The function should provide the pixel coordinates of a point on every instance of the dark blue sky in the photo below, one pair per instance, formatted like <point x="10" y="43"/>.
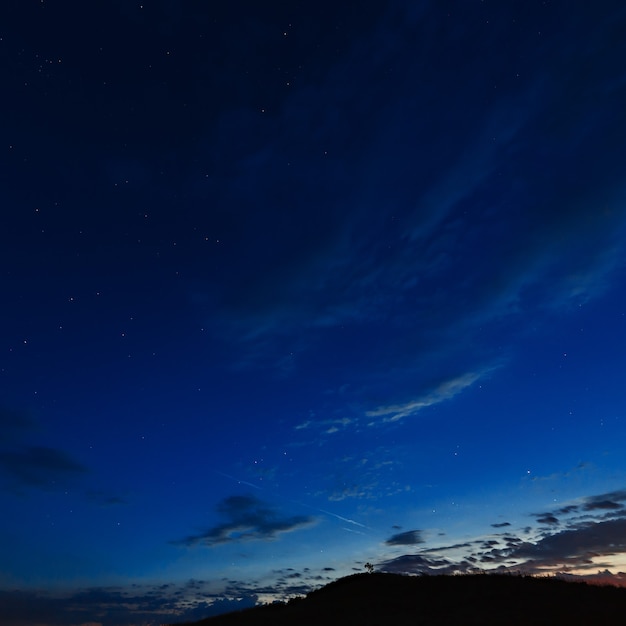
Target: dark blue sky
<point x="289" y="287"/>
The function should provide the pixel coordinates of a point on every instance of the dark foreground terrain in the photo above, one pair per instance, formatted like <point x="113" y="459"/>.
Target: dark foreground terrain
<point x="395" y="600"/>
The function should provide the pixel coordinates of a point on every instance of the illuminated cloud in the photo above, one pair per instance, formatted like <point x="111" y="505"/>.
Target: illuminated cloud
<point x="444" y="391"/>
<point x="572" y="543"/>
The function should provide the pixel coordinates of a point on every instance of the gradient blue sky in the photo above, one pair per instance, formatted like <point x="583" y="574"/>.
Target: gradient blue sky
<point x="289" y="287"/>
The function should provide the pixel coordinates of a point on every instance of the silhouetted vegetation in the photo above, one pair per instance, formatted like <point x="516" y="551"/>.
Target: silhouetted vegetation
<point x="480" y="599"/>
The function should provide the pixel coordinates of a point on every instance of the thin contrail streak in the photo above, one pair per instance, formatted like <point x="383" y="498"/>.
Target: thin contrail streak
<point x="345" y="519"/>
<point x="313" y="508"/>
<point x="237" y="480"/>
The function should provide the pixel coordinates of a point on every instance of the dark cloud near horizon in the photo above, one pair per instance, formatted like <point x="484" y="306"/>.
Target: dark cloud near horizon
<point x="408" y="538"/>
<point x="575" y="545"/>
<point x="566" y="510"/>
<point x="582" y="537"/>
<point x="161" y="604"/>
<point x="611" y="502"/>
<point x="606" y="501"/>
<point x="417" y="564"/>
<point x="247" y="518"/>
<point x="572" y="542"/>
<point x="606" y="505"/>
<point x="547" y="518"/>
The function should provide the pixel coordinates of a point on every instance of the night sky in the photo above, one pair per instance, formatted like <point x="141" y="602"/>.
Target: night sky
<point x="287" y="287"/>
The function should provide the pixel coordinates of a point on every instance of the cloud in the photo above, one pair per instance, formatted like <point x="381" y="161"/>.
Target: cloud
<point x="417" y="564"/>
<point x="575" y="549"/>
<point x="27" y="466"/>
<point x="606" y="501"/>
<point x="608" y="505"/>
<point x="39" y="467"/>
<point x="571" y="542"/>
<point x="408" y="538"/>
<point x="398" y="262"/>
<point x="566" y="510"/>
<point x="326" y="426"/>
<point x="118" y="607"/>
<point x="444" y="391"/>
<point x="547" y="518"/>
<point x="287" y="583"/>
<point x="247" y="519"/>
<point x="577" y="545"/>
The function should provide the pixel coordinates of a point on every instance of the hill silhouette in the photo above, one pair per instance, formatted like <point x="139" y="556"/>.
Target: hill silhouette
<point x="471" y="600"/>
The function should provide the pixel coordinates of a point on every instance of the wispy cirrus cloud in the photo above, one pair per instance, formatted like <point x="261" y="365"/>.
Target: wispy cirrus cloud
<point x="327" y="426"/>
<point x="444" y="391"/>
<point x="377" y="249"/>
